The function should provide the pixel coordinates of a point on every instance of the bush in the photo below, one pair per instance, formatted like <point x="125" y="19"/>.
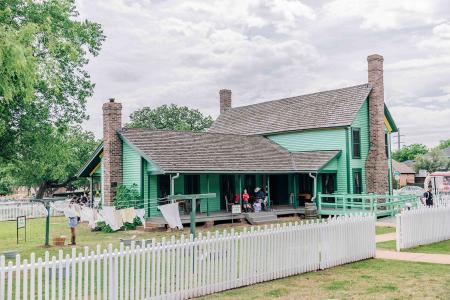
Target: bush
<point x="103" y="227"/>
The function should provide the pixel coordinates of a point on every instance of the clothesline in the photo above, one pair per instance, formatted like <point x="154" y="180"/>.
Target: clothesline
<point x="113" y="217"/>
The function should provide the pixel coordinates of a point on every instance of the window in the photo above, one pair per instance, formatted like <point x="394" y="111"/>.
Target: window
<point x="386" y="144"/>
<point x="356" y="142"/>
<point x="192" y="184"/>
<point x="163" y="186"/>
<point x="357" y="181"/>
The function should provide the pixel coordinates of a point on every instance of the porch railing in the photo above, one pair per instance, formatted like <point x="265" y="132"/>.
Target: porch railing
<point x="380" y="205"/>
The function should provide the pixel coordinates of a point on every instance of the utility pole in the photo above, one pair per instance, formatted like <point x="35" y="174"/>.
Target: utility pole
<point x="398" y="139"/>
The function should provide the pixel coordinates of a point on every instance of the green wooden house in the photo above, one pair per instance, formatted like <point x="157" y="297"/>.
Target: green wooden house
<point x="335" y="141"/>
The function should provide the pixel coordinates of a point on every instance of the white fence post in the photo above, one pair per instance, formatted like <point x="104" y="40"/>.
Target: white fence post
<point x="423" y="225"/>
<point x="185" y="268"/>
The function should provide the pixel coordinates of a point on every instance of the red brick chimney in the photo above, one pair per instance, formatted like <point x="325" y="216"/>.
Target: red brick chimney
<point x="112" y="150"/>
<point x="376" y="164"/>
<point x="225" y="100"/>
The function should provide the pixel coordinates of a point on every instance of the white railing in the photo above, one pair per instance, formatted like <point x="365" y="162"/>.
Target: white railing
<point x="186" y="268"/>
<point x="442" y="200"/>
<point x="422" y="226"/>
<point x="10" y="211"/>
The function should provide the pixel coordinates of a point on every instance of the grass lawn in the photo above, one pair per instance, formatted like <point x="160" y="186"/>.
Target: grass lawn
<point x="384" y="230"/>
<point x="440" y="248"/>
<point x="85" y="237"/>
<point x="370" y="279"/>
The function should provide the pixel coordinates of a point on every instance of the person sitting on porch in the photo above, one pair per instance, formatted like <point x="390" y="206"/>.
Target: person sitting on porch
<point x="260" y="196"/>
<point x="246" y="205"/>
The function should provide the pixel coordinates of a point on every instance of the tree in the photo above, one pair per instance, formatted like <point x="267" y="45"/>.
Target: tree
<point x="432" y="162"/>
<point x="444" y="144"/>
<point x="171" y="117"/>
<point x="409" y="152"/>
<point x="44" y="48"/>
<point x="53" y="160"/>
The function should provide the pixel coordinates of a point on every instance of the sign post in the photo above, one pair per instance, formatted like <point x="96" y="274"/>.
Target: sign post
<point x="235" y="210"/>
<point x="21" y="222"/>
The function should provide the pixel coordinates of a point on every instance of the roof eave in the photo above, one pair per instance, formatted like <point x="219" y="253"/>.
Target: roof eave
<point x="96" y="153"/>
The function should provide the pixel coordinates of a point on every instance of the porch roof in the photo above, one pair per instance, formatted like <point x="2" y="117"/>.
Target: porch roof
<point x="197" y="152"/>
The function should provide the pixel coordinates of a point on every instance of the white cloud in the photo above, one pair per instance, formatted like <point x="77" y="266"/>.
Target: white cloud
<point x="382" y="14"/>
<point x="184" y="51"/>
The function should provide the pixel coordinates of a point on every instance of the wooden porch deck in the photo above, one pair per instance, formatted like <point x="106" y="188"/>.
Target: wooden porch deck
<point x="225" y="216"/>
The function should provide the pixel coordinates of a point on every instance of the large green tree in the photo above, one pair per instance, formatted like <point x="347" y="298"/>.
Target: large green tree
<point x="44" y="48"/>
<point x="53" y="159"/>
<point x="444" y="144"/>
<point x="432" y="162"/>
<point x="409" y="152"/>
<point x="171" y="117"/>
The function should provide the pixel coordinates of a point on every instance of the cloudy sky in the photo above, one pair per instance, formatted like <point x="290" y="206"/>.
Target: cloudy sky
<point x="184" y="51"/>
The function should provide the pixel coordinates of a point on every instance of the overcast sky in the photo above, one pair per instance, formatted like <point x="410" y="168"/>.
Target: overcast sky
<point x="160" y="52"/>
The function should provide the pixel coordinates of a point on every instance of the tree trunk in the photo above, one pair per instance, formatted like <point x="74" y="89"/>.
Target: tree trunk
<point x="41" y="190"/>
<point x="44" y="186"/>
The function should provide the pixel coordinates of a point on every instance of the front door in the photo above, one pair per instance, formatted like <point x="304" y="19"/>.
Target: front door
<point x="328" y="183"/>
<point x="279" y="189"/>
<point x="227" y="190"/>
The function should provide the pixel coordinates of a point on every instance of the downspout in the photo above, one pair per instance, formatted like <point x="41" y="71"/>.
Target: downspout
<point x="314" y="187"/>
<point x="172" y="184"/>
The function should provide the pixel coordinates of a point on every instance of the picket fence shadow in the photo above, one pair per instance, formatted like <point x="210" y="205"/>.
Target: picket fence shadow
<point x="187" y="267"/>
<point x="423" y="226"/>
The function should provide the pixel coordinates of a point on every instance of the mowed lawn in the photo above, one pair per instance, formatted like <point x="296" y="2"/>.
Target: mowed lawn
<point x="439" y="248"/>
<point x="384" y="230"/>
<point x="369" y="279"/>
<point x="86" y="237"/>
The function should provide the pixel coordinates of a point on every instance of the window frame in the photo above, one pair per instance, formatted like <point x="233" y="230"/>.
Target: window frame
<point x="354" y="171"/>
<point x="356" y="129"/>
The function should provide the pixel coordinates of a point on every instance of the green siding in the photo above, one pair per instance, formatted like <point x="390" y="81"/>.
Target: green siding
<point x="131" y="166"/>
<point x="319" y="139"/>
<point x="153" y="194"/>
<point x="361" y="121"/>
<point x="98" y="172"/>
<point x="214" y="187"/>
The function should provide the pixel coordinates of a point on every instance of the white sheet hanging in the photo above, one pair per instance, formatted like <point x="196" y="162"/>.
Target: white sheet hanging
<point x="112" y="217"/>
<point x="171" y="213"/>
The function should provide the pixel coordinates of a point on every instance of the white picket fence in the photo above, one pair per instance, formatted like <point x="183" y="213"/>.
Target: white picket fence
<point x="186" y="268"/>
<point x="442" y="200"/>
<point x="422" y="226"/>
<point x="10" y="211"/>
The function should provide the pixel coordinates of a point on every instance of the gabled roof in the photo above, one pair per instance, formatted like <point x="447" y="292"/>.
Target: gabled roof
<point x="196" y="152"/>
<point x="90" y="166"/>
<point x="319" y="110"/>
<point x="402" y="168"/>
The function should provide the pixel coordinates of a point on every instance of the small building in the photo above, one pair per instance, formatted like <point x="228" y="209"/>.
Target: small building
<point x="407" y="174"/>
<point x="335" y="141"/>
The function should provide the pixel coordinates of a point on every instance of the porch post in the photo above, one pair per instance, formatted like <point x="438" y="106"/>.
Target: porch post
<point x="295" y="191"/>
<point x="207" y="199"/>
<point x="91" y="188"/>
<point x="268" y="191"/>
<point x="240" y="190"/>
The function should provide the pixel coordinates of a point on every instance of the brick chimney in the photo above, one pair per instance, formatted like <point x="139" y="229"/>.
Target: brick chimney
<point x="225" y="100"/>
<point x="112" y="150"/>
<point x="376" y="163"/>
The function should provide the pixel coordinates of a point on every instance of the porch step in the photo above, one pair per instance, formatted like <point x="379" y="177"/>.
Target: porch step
<point x="260" y="217"/>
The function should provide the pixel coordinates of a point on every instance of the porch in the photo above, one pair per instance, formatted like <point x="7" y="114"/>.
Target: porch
<point x="225" y="216"/>
<point x="379" y="205"/>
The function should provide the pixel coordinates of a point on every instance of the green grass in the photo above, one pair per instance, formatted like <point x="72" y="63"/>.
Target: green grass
<point x="85" y="237"/>
<point x="384" y="230"/>
<point x="439" y="248"/>
<point x="369" y="279"/>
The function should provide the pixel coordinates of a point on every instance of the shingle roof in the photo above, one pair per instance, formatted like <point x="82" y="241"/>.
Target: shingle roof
<point x="319" y="110"/>
<point x="183" y="151"/>
<point x="402" y="168"/>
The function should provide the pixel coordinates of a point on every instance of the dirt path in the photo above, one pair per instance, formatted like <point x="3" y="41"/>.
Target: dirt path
<point x="386" y="237"/>
<point x="414" y="257"/>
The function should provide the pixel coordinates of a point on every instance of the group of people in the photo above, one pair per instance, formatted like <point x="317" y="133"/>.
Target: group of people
<point x="253" y="202"/>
